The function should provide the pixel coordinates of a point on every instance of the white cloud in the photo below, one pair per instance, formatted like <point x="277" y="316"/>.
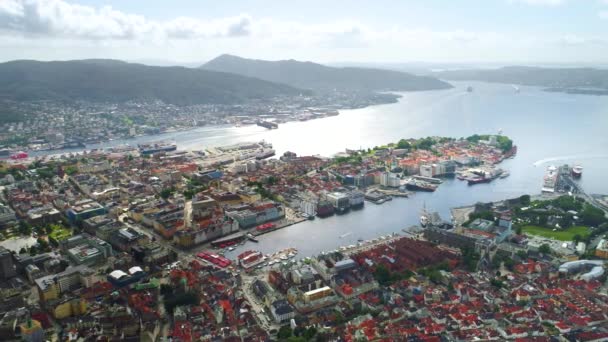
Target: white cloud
<point x="57" y="18"/>
<point x="56" y="29"/>
<point x="603" y="15"/>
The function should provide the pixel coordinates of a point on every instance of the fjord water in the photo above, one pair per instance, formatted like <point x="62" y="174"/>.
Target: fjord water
<point x="548" y="128"/>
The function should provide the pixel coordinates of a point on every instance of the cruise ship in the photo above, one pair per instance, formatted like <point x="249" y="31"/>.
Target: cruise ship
<point x="550" y="179"/>
<point x="577" y="171"/>
<point x="156" y="147"/>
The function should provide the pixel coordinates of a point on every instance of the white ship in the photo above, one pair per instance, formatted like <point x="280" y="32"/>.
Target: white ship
<point x="550" y="179"/>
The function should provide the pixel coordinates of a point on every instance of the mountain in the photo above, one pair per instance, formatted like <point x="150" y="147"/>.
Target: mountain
<point x="555" y="78"/>
<point x="99" y="80"/>
<point x="308" y="75"/>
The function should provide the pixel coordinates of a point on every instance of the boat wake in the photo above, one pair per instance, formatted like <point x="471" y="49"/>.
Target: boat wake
<point x="576" y="157"/>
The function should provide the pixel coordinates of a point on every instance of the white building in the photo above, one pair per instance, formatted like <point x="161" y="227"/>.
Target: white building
<point x="389" y="179"/>
<point x="426" y="170"/>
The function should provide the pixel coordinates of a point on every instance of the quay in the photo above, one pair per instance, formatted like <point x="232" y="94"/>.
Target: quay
<point x="279" y="225"/>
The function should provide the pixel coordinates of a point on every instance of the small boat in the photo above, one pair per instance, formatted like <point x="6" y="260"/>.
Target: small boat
<point x="345" y="235"/>
<point x="252" y="238"/>
<point x="505" y="174"/>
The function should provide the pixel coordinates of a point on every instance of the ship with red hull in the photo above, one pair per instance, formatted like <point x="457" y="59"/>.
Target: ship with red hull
<point x="577" y="171"/>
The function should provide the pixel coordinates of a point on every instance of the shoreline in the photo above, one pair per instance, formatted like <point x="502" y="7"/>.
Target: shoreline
<point x="43" y="152"/>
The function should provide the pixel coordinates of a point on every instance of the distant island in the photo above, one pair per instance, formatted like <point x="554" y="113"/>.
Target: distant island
<point x="580" y="91"/>
<point x="568" y="80"/>
<point x="317" y="77"/>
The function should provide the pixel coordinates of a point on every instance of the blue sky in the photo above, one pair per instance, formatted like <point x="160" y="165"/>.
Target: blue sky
<point x="501" y="31"/>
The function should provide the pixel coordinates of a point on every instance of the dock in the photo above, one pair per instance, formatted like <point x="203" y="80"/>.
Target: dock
<point x="393" y="193"/>
<point x="279" y="225"/>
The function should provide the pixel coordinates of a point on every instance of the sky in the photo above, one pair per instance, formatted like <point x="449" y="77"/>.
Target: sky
<point x="378" y="31"/>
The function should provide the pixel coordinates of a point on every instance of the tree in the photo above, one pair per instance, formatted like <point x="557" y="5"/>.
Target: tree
<point x="299" y="331"/>
<point x="284" y="332"/>
<point x="39" y="230"/>
<point x="592" y="216"/>
<point x="470" y="258"/>
<point x="188" y="194"/>
<point x="382" y="274"/>
<point x="22" y="250"/>
<point x="545" y="249"/>
<point x="522" y="254"/>
<point x="310" y="333"/>
<point x="576" y="238"/>
<point x="296" y="339"/>
<point x="509" y="263"/>
<point x="524" y="200"/>
<point x="70" y="170"/>
<point x="496" y="283"/>
<point x="518" y="230"/>
<point x="24" y="228"/>
<point x="166" y="193"/>
<point x="403" y="144"/>
<point x="435" y="276"/>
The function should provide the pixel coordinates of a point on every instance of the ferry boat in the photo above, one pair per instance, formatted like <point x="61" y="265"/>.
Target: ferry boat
<point x="265" y="153"/>
<point x="577" y="171"/>
<point x="479" y="180"/>
<point x="550" y="179"/>
<point x="156" y="147"/>
<point x="416" y="185"/>
<point x="483" y="177"/>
